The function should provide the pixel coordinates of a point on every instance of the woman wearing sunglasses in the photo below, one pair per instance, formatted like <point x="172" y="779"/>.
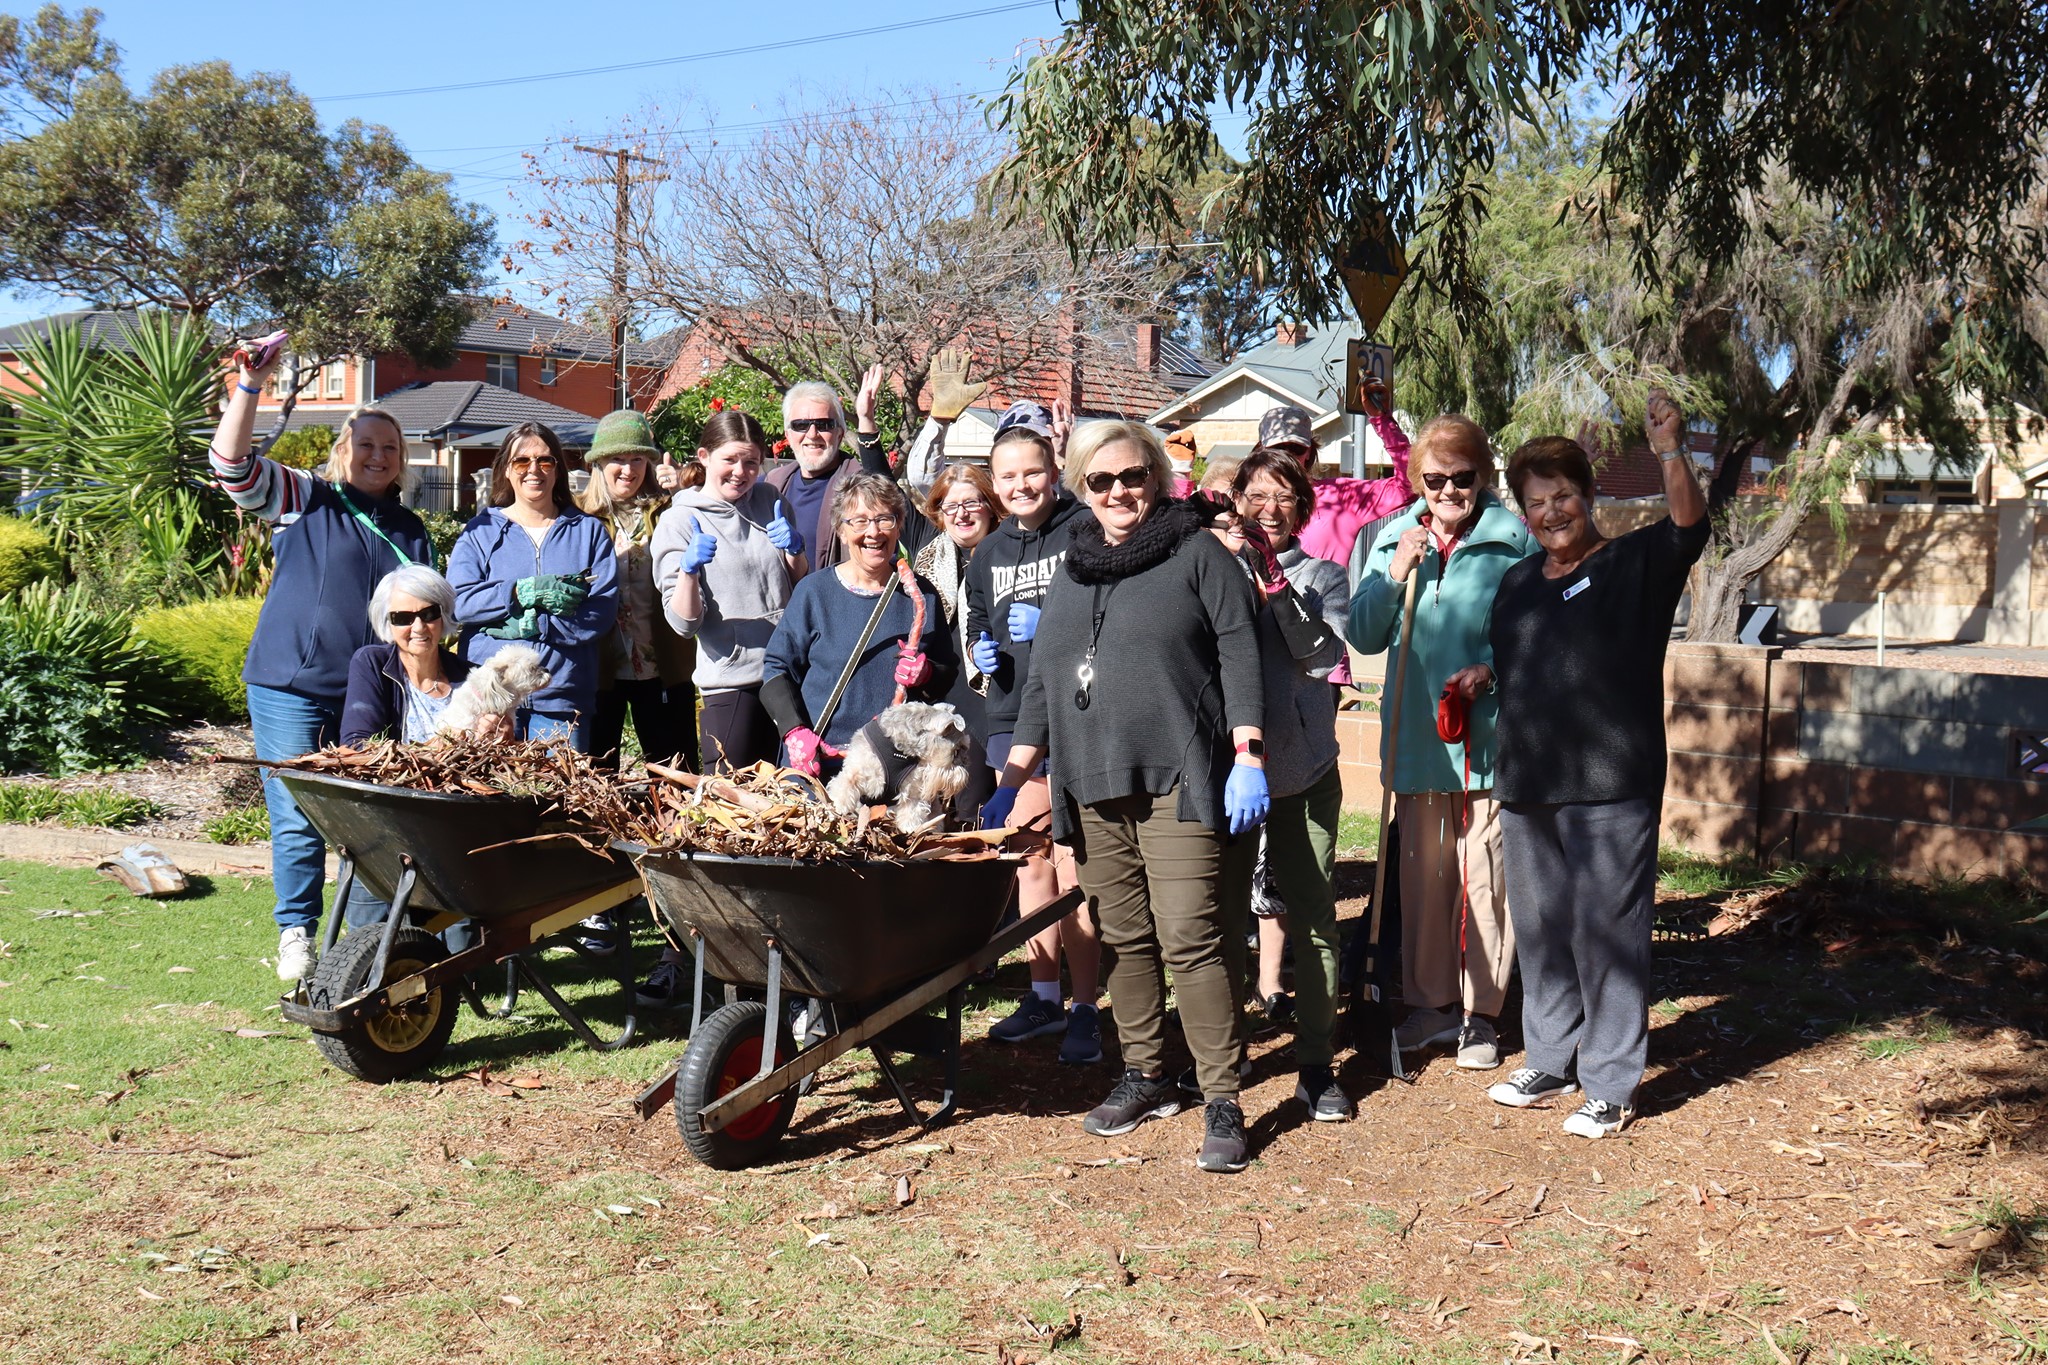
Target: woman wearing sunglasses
<point x="533" y="568"/>
<point x="824" y="623"/>
<point x="1457" y="945"/>
<point x="1145" y="688"/>
<point x="398" y="688"/>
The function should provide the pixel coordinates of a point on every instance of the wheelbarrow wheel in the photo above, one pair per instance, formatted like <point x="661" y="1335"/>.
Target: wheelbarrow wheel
<point x="724" y="1054"/>
<point x="410" y="1035"/>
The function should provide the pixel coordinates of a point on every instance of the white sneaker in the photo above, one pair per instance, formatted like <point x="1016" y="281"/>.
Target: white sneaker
<point x="1597" y="1119"/>
<point x="294" y="953"/>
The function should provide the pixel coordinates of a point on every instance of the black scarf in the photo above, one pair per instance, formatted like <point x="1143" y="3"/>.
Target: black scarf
<point x="1092" y="559"/>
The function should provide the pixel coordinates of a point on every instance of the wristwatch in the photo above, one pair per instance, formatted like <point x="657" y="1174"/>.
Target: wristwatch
<point x="1255" y="748"/>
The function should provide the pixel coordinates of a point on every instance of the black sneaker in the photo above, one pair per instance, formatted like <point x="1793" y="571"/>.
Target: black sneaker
<point x="1035" y="1018"/>
<point x="1326" y="1100"/>
<point x="1529" y="1086"/>
<point x="1223" y="1141"/>
<point x="663" y="987"/>
<point x="1137" y="1097"/>
<point x="1083" y="1044"/>
<point x="1598" y="1119"/>
<point x="598" y="936"/>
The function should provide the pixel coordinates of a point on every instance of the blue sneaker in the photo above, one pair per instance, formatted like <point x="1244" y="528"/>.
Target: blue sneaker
<point x="1034" y="1018"/>
<point x="1083" y="1044"/>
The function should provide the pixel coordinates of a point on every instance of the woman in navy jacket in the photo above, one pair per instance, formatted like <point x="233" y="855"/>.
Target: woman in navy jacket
<point x="533" y="568"/>
<point x="336" y="535"/>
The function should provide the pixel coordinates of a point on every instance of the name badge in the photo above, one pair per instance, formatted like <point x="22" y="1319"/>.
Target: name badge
<point x="1575" y="589"/>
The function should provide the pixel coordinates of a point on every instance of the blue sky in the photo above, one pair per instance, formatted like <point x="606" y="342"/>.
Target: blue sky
<point x="382" y="45"/>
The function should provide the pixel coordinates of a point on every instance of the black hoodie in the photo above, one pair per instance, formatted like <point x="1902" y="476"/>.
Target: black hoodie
<point x="1015" y="565"/>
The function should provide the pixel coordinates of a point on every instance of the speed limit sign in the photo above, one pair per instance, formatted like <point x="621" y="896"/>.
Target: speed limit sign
<point x="1365" y="360"/>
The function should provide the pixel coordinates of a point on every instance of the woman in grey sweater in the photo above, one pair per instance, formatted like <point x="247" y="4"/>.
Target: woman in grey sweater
<point x="725" y="560"/>
<point x="1301" y="640"/>
<point x="1145" y="685"/>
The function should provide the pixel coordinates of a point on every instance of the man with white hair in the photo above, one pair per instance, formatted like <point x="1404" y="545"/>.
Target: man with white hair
<point x="813" y="425"/>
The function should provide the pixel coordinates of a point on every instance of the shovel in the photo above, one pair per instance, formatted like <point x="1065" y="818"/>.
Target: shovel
<point x="1373" y="1020"/>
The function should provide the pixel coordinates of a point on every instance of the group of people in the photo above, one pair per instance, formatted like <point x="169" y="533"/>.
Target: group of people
<point x="1150" y="673"/>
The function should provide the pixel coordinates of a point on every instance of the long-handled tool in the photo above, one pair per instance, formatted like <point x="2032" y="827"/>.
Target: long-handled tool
<point x="1373" y="1028"/>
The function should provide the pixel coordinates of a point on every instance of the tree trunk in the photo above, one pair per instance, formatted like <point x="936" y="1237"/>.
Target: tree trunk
<point x="1716" y="603"/>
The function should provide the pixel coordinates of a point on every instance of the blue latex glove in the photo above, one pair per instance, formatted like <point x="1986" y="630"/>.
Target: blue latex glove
<point x="995" y="812"/>
<point x="782" y="534"/>
<point x="984" y="653"/>
<point x="1245" y="801"/>
<point x="1023" y="621"/>
<point x="701" y="550"/>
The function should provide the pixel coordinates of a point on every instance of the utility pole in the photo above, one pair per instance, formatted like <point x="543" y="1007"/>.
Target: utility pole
<point x="622" y="177"/>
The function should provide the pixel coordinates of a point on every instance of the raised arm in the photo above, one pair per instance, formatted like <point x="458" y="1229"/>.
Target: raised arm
<point x="261" y="487"/>
<point x="1664" y="425"/>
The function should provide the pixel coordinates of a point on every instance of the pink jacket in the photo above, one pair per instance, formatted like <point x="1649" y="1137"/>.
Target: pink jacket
<point x="1344" y="505"/>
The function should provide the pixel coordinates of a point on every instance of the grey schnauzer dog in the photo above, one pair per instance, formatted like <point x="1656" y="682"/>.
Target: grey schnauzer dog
<point x="913" y="757"/>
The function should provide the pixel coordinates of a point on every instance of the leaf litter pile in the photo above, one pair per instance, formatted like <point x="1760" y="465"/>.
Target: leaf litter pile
<point x="762" y="811"/>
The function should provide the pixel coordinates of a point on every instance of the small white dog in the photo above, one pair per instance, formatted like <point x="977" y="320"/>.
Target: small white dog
<point x="913" y="756"/>
<point x="496" y="687"/>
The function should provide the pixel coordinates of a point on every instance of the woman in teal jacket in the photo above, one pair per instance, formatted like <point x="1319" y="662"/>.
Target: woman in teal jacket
<point x="1457" y="945"/>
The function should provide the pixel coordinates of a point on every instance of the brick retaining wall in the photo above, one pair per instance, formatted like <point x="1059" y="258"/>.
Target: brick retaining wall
<point x="1911" y="768"/>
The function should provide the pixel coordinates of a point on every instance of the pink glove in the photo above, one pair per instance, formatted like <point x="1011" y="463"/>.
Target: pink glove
<point x="805" y="748"/>
<point x="912" y="667"/>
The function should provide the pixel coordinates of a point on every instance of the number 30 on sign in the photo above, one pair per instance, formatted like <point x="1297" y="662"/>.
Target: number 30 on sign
<point x="1365" y="360"/>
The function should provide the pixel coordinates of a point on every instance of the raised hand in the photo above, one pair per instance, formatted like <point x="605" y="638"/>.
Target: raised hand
<point x="1373" y="390"/>
<point x="1663" y="424"/>
<point x="864" y="401"/>
<point x="951" y="393"/>
<point x="666" y="474"/>
<point x="1062" y="428"/>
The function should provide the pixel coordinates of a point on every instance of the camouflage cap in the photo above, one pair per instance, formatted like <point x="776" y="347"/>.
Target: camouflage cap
<point x="1287" y="425"/>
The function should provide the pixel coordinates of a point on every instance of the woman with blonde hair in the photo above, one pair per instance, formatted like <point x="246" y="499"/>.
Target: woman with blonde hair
<point x="1145" y="689"/>
<point x="337" y="535"/>
<point x="1457" y="944"/>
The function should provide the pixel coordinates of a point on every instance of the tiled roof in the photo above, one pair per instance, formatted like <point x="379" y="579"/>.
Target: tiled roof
<point x="504" y="328"/>
<point x="453" y="407"/>
<point x="1632" y="471"/>
<point x="104" y="327"/>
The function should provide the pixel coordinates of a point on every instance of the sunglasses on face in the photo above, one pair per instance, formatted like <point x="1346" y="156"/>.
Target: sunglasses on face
<point x="522" y="463"/>
<point x="1464" y="478"/>
<point x="1134" y="477"/>
<point x="426" y="616"/>
<point x="806" y="425"/>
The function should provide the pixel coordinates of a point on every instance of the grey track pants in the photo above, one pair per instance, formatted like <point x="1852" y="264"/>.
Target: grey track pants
<point x="1582" y="884"/>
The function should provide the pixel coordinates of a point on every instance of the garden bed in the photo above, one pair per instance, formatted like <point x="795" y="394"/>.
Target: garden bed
<point x="184" y="792"/>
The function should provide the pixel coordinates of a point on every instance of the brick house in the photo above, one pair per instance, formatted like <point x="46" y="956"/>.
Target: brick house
<point x="511" y="365"/>
<point x="1124" y="372"/>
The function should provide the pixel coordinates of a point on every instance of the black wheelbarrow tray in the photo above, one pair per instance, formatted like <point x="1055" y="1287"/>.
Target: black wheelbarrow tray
<point x="382" y="1004"/>
<point x="872" y="944"/>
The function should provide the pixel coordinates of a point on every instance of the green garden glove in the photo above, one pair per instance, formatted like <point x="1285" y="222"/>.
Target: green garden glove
<point x="555" y="594"/>
<point x="524" y="626"/>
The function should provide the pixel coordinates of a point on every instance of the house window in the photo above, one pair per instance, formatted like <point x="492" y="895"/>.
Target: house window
<point x="337" y="379"/>
<point x="547" y="370"/>
<point x="502" y="370"/>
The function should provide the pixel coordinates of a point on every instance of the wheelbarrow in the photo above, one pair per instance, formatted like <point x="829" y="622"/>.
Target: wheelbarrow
<point x="382" y="1004"/>
<point x="872" y="944"/>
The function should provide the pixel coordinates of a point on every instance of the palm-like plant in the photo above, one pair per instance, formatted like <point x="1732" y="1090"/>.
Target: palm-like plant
<point x="106" y="441"/>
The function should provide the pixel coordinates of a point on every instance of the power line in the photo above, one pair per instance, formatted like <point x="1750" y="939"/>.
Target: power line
<point x="750" y="50"/>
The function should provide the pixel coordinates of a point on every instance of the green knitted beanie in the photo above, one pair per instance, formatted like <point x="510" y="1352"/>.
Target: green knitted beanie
<point x="624" y="432"/>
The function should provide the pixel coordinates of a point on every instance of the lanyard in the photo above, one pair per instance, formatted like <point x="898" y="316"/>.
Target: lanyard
<point x="1085" y="674"/>
<point x="348" y="501"/>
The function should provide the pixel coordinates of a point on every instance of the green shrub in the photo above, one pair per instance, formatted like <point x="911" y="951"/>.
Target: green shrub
<point x="29" y="803"/>
<point x="443" y="529"/>
<point x="26" y="555"/>
<point x="58" y="717"/>
<point x="242" y="825"/>
<point x="202" y="645"/>
<point x="306" y="448"/>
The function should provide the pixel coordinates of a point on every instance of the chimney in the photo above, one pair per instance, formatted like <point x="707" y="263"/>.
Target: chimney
<point x="1148" y="345"/>
<point x="1290" y="333"/>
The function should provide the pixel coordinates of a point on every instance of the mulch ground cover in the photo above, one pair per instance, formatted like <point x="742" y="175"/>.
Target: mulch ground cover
<point x="1839" y="1159"/>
